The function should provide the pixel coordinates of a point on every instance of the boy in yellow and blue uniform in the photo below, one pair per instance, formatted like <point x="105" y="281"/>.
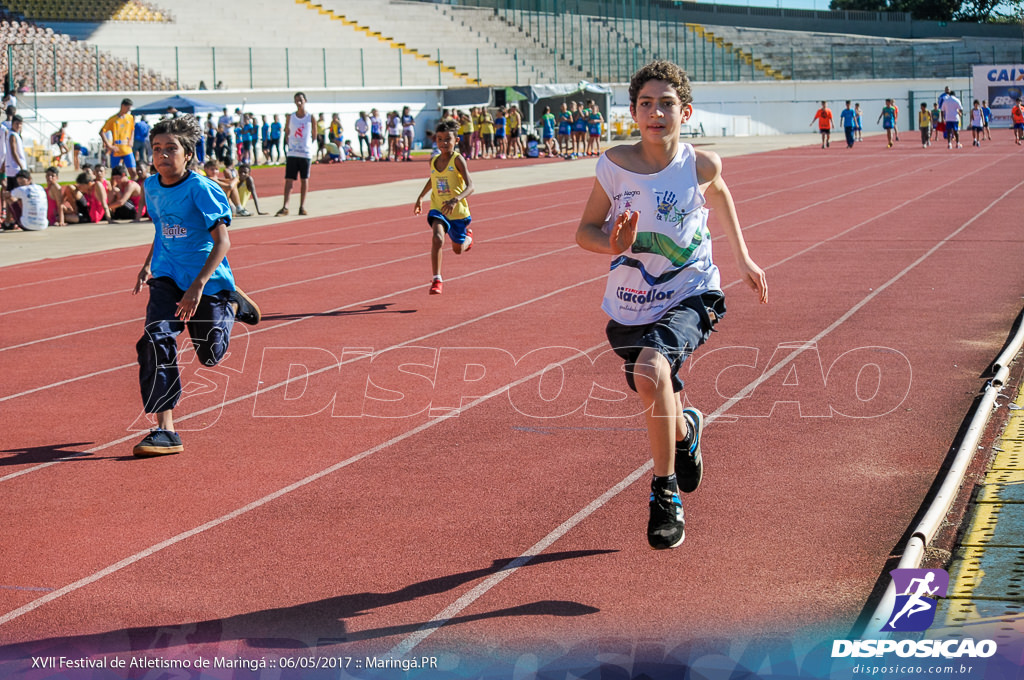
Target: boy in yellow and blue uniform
<point x="449" y="186"/>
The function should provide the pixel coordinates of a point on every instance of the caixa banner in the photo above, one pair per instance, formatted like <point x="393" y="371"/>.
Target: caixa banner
<point x="1000" y="85"/>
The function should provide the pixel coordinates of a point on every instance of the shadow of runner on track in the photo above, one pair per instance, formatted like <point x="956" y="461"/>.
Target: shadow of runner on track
<point x="32" y="455"/>
<point x="380" y="308"/>
<point x="307" y="625"/>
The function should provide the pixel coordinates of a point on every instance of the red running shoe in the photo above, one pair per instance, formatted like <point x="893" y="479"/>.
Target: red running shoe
<point x="469" y="237"/>
<point x="435" y="287"/>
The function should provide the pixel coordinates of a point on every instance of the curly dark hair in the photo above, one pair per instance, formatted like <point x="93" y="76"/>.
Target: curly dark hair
<point x="447" y="125"/>
<point x="664" y="70"/>
<point x="185" y="128"/>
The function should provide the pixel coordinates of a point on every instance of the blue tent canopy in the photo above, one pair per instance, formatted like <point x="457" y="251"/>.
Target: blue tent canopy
<point x="181" y="104"/>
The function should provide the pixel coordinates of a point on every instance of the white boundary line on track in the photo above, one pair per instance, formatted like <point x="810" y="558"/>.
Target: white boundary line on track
<point x="416" y="233"/>
<point x="442" y="617"/>
<point x="332" y="367"/>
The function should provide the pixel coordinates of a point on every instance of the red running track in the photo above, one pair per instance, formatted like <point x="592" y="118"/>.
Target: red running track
<point x="329" y="497"/>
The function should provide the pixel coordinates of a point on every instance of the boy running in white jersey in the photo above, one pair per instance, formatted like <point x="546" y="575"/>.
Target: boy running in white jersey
<point x="647" y="210"/>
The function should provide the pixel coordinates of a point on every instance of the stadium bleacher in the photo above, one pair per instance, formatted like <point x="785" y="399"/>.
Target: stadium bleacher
<point x="93" y="10"/>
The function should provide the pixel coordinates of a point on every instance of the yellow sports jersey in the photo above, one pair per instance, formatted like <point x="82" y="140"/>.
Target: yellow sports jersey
<point x="447" y="184"/>
<point x="487" y="125"/>
<point x="924" y="119"/>
<point x="120" y="131"/>
<point x="243" y="194"/>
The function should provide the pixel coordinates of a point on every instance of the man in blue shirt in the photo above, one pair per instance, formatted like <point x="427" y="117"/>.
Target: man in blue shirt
<point x="849" y="119"/>
<point x="140" y="145"/>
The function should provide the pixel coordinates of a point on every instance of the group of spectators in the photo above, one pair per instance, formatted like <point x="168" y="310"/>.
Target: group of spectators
<point x="501" y="132"/>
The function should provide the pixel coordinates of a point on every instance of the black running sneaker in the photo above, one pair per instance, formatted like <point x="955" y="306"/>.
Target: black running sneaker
<point x="248" y="311"/>
<point x="158" y="443"/>
<point x="689" y="463"/>
<point x="665" y="529"/>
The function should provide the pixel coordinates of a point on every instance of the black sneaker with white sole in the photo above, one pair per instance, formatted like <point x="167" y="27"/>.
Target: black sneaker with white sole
<point x="689" y="463"/>
<point x="248" y="311"/>
<point x="666" y="527"/>
<point x="158" y="443"/>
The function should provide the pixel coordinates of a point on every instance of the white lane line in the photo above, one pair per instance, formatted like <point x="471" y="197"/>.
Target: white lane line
<point x="283" y="324"/>
<point x="262" y="390"/>
<point x="445" y="615"/>
<point x="132" y="559"/>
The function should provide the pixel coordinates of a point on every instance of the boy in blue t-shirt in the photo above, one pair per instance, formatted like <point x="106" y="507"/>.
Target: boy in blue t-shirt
<point x="189" y="278"/>
<point x="849" y="119"/>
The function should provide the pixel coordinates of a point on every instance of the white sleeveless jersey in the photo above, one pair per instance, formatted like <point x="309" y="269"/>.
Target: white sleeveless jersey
<point x="299" y="143"/>
<point x="671" y="258"/>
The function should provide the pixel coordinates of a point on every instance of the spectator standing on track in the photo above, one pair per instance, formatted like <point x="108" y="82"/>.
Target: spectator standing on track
<point x="118" y="136"/>
<point x="565" y="131"/>
<point x="823" y="117"/>
<point x="936" y="116"/>
<point x="988" y="118"/>
<point x="140" y="144"/>
<point x="300" y="131"/>
<point x="594" y="122"/>
<point x="275" y="138"/>
<point x="848" y="117"/>
<point x="547" y="121"/>
<point x="924" y="122"/>
<point x="362" y="133"/>
<point x="977" y="124"/>
<point x="16" y="159"/>
<point x="321" y="135"/>
<point x="859" y="127"/>
<point x="60" y="140"/>
<point x="952" y="109"/>
<point x="888" y="119"/>
<point x="408" y="132"/>
<point x="514" y="122"/>
<point x="500" y="136"/>
<point x="449" y="186"/>
<point x="647" y="210"/>
<point x="190" y="281"/>
<point x="1017" y="121"/>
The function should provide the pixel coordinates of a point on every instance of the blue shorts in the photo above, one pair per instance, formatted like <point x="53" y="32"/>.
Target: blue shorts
<point x="951" y="127"/>
<point x="549" y="134"/>
<point x="887" y="125"/>
<point x="1018" y="126"/>
<point x="675" y="335"/>
<point x="564" y="129"/>
<point x="127" y="161"/>
<point x="456" y="229"/>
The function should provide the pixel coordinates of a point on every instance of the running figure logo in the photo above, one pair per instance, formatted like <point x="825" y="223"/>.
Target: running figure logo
<point x="916" y="590"/>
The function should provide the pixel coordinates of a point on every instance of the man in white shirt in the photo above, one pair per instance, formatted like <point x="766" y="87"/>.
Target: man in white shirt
<point x="951" y="112"/>
<point x="299" y="135"/>
<point x="16" y="160"/>
<point x="27" y="203"/>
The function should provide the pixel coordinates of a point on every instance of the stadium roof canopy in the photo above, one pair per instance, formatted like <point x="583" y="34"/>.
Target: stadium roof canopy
<point x="179" y="103"/>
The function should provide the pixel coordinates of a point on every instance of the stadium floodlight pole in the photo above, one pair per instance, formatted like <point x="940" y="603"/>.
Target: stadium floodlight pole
<point x="213" y="56"/>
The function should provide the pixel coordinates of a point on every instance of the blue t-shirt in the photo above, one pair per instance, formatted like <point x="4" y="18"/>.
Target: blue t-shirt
<point x="849" y="117"/>
<point x="183" y="215"/>
<point x="141" y="130"/>
<point x="265" y="131"/>
<point x="275" y="131"/>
